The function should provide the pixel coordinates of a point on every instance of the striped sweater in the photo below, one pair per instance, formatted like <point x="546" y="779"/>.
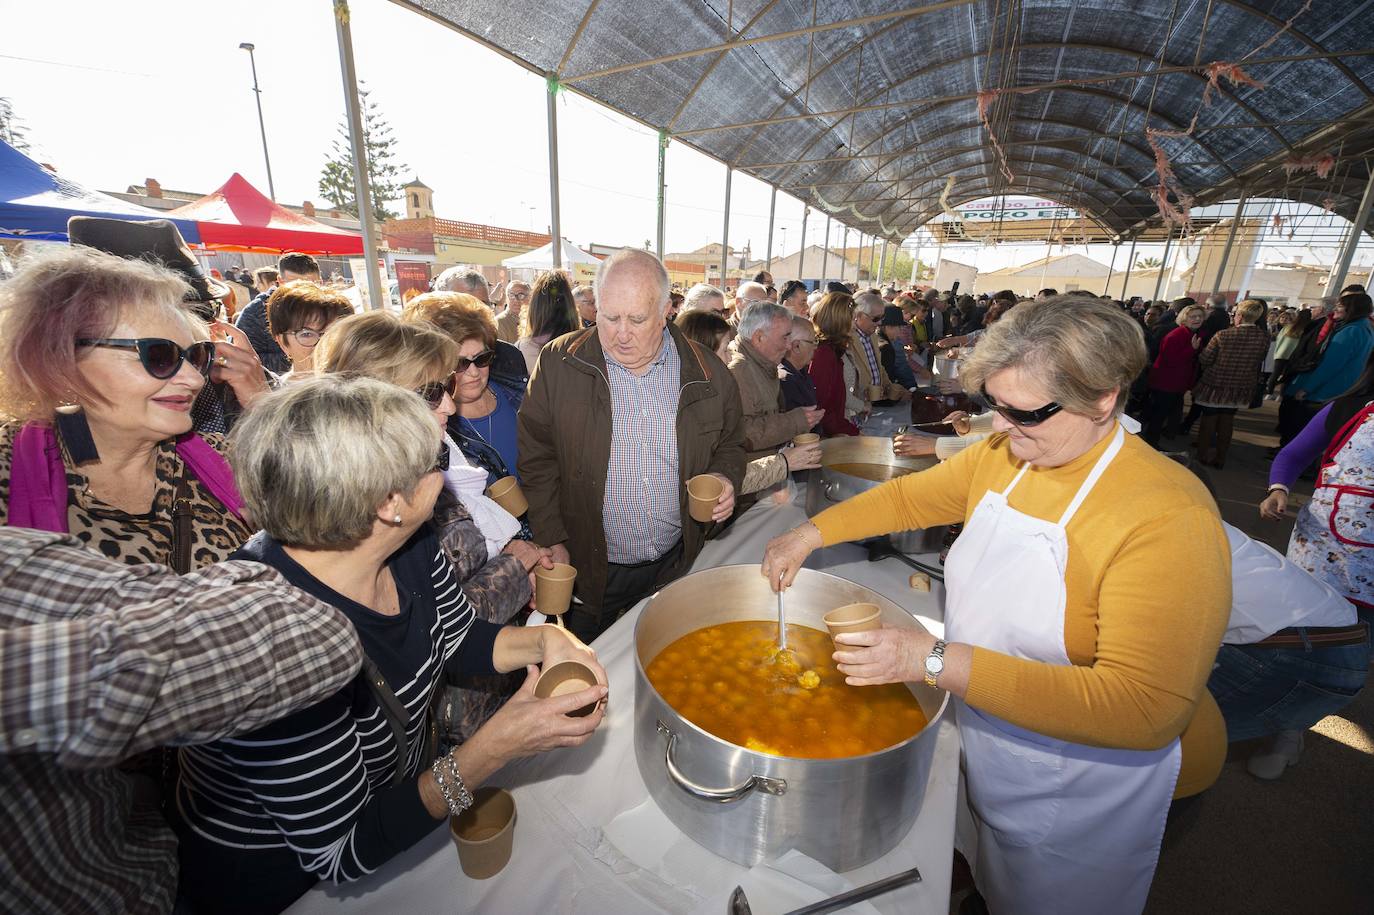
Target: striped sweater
<point x="264" y="815"/>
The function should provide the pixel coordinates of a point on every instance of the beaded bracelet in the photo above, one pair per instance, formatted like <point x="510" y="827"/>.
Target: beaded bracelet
<point x="456" y="794"/>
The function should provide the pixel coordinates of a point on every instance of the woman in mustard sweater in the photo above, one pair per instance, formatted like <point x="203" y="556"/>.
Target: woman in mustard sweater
<point x="1077" y="657"/>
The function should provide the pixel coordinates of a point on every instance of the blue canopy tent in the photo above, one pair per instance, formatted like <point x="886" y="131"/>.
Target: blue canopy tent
<point x="35" y="204"/>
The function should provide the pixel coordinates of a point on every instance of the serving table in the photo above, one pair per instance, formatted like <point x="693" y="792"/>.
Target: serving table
<point x="589" y="839"/>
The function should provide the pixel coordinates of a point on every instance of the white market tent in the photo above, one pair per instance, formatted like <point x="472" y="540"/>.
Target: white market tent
<point x="578" y="262"/>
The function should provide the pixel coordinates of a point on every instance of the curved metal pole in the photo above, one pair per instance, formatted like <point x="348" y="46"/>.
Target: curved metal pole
<point x="882" y="263"/>
<point x="801" y="257"/>
<point x="662" y="188"/>
<point x="1342" y="266"/>
<point x="844" y="252"/>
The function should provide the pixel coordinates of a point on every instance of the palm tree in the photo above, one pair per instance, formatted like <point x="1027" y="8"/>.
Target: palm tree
<point x="1145" y="263"/>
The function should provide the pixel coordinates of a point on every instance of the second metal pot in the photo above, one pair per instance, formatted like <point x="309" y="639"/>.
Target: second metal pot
<point x="830" y="485"/>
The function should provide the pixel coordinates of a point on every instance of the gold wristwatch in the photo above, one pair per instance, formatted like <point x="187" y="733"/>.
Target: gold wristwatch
<point x="935" y="662"/>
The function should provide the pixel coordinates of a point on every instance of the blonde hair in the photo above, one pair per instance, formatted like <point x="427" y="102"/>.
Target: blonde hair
<point x="315" y="459"/>
<point x="382" y="346"/>
<point x="1250" y="309"/>
<point x="1187" y="312"/>
<point x="463" y="317"/>
<point x="60" y="295"/>
<point x="1080" y="349"/>
<point x="834" y="318"/>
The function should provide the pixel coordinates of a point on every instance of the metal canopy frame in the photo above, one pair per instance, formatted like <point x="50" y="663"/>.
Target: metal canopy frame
<point x="827" y="100"/>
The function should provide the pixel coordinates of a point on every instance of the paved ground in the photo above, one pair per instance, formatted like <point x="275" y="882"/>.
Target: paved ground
<point x="1304" y="843"/>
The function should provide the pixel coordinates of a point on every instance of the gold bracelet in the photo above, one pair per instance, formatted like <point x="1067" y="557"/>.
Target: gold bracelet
<point x="806" y="543"/>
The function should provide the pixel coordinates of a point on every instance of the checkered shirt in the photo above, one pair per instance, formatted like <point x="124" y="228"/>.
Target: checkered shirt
<point x="100" y="661"/>
<point x="642" y="512"/>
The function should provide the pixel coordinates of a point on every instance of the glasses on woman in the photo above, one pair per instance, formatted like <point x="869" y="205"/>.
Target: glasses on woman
<point x="1020" y="417"/>
<point x="307" y="337"/>
<point x="161" y="358"/>
<point x="481" y="360"/>
<point x="433" y="393"/>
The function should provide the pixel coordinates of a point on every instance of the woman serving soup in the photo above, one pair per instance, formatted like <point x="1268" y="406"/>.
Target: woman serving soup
<point x="1079" y="670"/>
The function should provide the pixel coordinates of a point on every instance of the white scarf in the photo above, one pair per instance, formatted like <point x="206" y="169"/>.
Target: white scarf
<point x="469" y="484"/>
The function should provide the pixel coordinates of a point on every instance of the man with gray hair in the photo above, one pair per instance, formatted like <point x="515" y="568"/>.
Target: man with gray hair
<point x="874" y="383"/>
<point x="584" y="297"/>
<point x="749" y="292"/>
<point x="704" y="297"/>
<point x="764" y="333"/>
<point x="462" y="278"/>
<point x="617" y="418"/>
<point x="508" y="321"/>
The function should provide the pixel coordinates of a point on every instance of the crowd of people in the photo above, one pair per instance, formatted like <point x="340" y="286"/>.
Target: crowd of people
<point x="270" y="544"/>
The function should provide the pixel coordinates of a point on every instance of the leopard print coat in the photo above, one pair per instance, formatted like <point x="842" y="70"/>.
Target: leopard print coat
<point x="138" y="538"/>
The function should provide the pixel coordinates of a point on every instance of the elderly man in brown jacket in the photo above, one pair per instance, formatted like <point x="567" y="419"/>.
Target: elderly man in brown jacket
<point x="617" y="418"/>
<point x="764" y="333"/>
<point x="874" y="385"/>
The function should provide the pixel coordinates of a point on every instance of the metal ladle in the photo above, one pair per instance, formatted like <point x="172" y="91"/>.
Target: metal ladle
<point x="782" y="621"/>
<point x="739" y="903"/>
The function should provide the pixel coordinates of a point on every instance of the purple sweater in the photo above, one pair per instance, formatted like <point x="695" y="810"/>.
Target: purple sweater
<point x="1301" y="451"/>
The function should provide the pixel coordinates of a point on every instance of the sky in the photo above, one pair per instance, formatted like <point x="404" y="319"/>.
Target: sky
<point x="160" y="89"/>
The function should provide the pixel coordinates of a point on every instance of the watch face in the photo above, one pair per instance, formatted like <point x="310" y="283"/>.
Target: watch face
<point x="934" y="665"/>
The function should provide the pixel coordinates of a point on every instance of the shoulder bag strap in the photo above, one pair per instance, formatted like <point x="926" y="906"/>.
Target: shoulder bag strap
<point x="395" y="714"/>
<point x="183" y="516"/>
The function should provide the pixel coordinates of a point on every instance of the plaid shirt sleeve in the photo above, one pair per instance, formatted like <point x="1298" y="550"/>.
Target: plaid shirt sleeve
<point x="100" y="661"/>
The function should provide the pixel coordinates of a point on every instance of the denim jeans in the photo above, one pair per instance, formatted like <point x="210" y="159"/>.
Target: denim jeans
<point x="1264" y="690"/>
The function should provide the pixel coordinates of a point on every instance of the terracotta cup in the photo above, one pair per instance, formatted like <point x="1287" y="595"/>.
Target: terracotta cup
<point x="702" y="493"/>
<point x="806" y="438"/>
<point x="506" y="493"/>
<point x="553" y="588"/>
<point x="485" y="833"/>
<point x="853" y="618"/>
<point x="563" y="678"/>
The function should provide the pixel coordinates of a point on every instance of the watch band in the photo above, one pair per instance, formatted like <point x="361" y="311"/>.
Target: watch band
<point x="935" y="662"/>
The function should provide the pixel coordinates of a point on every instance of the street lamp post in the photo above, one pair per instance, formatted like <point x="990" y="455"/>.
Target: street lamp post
<point x="262" y="127"/>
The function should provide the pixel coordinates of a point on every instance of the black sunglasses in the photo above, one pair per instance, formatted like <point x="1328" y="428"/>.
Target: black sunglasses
<point x="1020" y="417"/>
<point x="161" y="358"/>
<point x="481" y="360"/>
<point x="441" y="459"/>
<point x="433" y="393"/>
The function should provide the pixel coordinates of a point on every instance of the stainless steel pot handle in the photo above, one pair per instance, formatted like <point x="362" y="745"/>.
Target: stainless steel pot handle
<point x="715" y="795"/>
<point x="828" y="489"/>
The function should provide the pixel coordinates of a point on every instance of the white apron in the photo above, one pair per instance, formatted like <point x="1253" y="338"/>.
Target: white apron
<point x="1061" y="827"/>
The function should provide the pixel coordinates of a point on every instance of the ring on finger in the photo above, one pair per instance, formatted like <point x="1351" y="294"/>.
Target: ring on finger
<point x="221" y="361"/>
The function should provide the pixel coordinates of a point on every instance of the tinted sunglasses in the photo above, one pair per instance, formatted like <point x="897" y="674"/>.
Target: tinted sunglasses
<point x="441" y="459"/>
<point x="433" y="393"/>
<point x="161" y="358"/>
<point x="1020" y="417"/>
<point x="481" y="360"/>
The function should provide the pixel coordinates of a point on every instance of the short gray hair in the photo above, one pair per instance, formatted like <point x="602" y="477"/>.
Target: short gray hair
<point x="643" y="260"/>
<point x="698" y="297"/>
<point x="759" y="316"/>
<point x="868" y="302"/>
<point x="802" y="329"/>
<point x="582" y="290"/>
<point x="1079" y="348"/>
<point x="461" y="279"/>
<point x="314" y="459"/>
<point x="751" y="292"/>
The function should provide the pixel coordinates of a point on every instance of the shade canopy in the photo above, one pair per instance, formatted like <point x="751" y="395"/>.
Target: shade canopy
<point x="36" y="203"/>
<point x="542" y="258"/>
<point x="866" y="109"/>
<point x="238" y="217"/>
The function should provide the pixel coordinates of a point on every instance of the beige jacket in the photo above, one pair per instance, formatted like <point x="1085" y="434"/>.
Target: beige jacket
<point x="766" y="427"/>
<point x="508" y="326"/>
<point x="891" y="390"/>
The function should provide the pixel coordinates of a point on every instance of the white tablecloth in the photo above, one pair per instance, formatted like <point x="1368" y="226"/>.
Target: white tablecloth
<point x="590" y="840"/>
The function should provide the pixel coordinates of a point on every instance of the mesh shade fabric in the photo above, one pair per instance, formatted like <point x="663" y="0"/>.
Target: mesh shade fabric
<point x="883" y="170"/>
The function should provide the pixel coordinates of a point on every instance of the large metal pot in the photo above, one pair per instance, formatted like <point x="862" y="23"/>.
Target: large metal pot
<point x="830" y="485"/>
<point x="746" y="806"/>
